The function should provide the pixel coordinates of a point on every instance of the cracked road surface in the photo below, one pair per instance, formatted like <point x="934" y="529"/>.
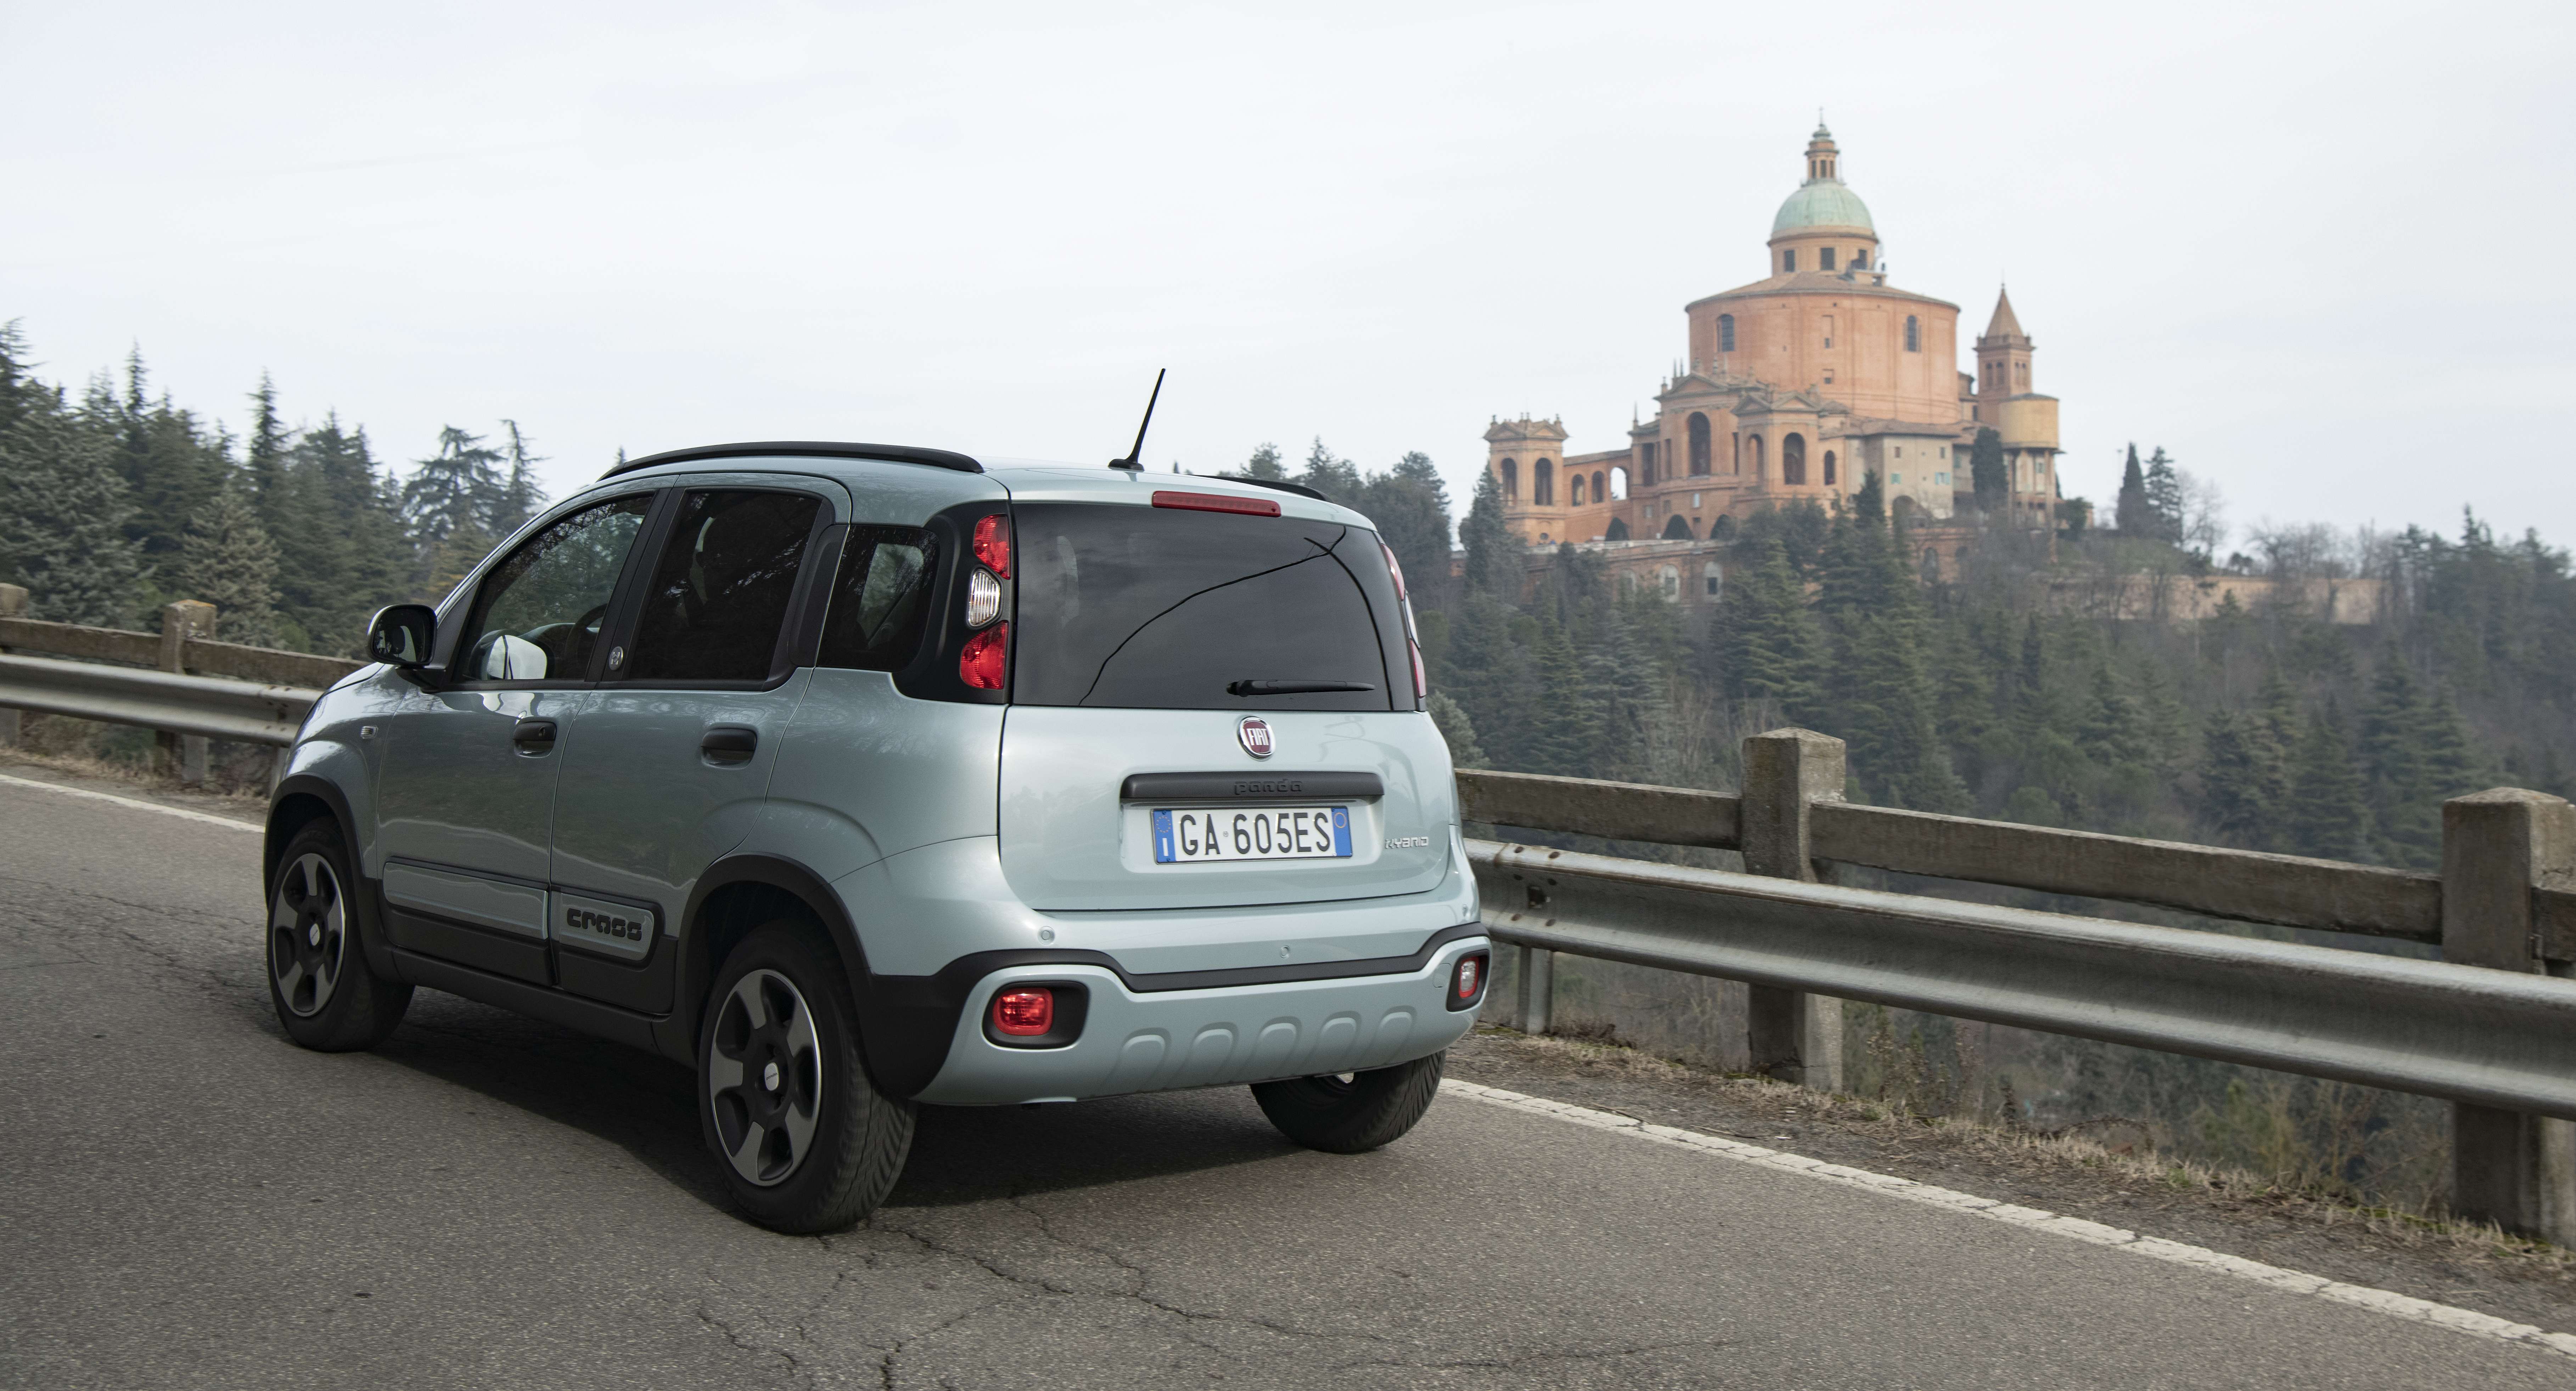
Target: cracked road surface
<point x="186" y="1199"/>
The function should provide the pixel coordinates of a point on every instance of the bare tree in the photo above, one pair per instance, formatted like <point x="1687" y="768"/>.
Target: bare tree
<point x="2204" y="514"/>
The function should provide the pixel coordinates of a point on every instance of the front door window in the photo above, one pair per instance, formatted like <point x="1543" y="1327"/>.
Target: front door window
<point x="538" y="615"/>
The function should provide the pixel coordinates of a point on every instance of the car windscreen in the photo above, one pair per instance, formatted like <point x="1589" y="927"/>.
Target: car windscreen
<point x="1165" y="608"/>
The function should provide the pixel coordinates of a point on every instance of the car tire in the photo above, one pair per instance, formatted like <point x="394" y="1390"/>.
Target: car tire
<point x="804" y="1139"/>
<point x="326" y="995"/>
<point x="1339" y="1117"/>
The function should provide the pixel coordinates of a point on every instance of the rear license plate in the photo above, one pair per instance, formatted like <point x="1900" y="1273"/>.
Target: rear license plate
<point x="1196" y="836"/>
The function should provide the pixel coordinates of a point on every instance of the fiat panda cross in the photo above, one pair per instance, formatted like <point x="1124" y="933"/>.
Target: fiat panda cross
<point x="859" y="777"/>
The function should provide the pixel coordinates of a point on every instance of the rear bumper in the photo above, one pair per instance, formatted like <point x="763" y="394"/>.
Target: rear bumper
<point x="1168" y="1039"/>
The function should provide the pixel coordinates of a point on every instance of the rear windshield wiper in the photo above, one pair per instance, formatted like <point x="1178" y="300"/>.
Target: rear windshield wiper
<point x="1254" y="688"/>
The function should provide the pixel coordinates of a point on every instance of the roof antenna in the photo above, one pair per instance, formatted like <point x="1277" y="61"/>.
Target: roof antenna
<point x="1130" y="462"/>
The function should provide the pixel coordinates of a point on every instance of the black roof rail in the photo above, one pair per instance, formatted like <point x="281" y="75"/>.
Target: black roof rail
<point x="805" y="449"/>
<point x="1281" y="484"/>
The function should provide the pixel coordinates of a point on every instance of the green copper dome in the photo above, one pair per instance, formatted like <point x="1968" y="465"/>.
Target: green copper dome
<point x="1822" y="203"/>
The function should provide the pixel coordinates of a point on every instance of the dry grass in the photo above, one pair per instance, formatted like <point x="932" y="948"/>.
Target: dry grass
<point x="2096" y="1160"/>
<point x="78" y="761"/>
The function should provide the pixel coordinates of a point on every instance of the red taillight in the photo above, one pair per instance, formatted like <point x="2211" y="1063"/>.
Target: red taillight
<point x="986" y="661"/>
<point x="1396" y="570"/>
<point x="1024" y="1013"/>
<point x="1218" y="502"/>
<point x="1421" y="683"/>
<point x="993" y="544"/>
<point x="1470" y="977"/>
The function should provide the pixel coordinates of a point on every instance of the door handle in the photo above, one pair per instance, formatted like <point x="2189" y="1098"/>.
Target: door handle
<point x="533" y="736"/>
<point x="730" y="741"/>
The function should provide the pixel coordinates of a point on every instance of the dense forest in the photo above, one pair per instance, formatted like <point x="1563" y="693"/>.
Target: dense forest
<point x="118" y="501"/>
<point x="2002" y="690"/>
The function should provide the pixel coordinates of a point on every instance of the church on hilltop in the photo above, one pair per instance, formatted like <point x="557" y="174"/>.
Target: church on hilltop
<point x="1794" y="386"/>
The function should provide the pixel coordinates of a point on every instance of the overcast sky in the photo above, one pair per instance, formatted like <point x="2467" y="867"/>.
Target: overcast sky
<point x="2311" y="249"/>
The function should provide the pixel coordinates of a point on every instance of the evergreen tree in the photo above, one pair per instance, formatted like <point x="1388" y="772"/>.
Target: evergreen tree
<point x="227" y="560"/>
<point x="171" y="465"/>
<point x="264" y="455"/>
<point x="1450" y="718"/>
<point x="1562" y="728"/>
<point x="63" y="521"/>
<point x="2113" y="731"/>
<point x="1265" y="464"/>
<point x="2326" y="817"/>
<point x="1986" y="472"/>
<point x="2405" y="813"/>
<point x="2133" y="514"/>
<point x="2276" y="735"/>
<point x="520" y="496"/>
<point x="2036" y="707"/>
<point x="2453" y="765"/>
<point x="1763" y="643"/>
<point x="1488" y="676"/>
<point x="21" y="395"/>
<point x="1627" y="700"/>
<point x="1336" y="478"/>
<point x="1880" y="682"/>
<point x="1493" y="557"/>
<point x="2232" y="781"/>
<point x="2165" y="496"/>
<point x="459" y="486"/>
<point x="1411" y="510"/>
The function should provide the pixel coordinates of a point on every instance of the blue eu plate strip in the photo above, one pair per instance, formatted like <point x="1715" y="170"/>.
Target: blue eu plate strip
<point x="1342" y="831"/>
<point x="1163" y="838"/>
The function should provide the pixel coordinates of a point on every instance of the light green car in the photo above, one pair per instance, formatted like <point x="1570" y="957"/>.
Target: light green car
<point x="858" y="777"/>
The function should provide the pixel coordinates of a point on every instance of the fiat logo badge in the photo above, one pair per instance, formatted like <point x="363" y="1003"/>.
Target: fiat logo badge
<point x="1254" y="731"/>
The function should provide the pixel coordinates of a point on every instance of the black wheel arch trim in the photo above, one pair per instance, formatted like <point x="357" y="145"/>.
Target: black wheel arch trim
<point x="365" y="893"/>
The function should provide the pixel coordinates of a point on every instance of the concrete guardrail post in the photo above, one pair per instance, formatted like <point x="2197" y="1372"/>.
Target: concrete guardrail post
<point x="13" y="604"/>
<point x="2516" y="1170"/>
<point x="1534" y="1002"/>
<point x="188" y="618"/>
<point x="1792" y="1035"/>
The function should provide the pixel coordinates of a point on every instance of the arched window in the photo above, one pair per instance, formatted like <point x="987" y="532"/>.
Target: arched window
<point x="1913" y="334"/>
<point x="1599" y="492"/>
<point x="1712" y="578"/>
<point x="1511" y="481"/>
<point x="1646" y="463"/>
<point x="1726" y="333"/>
<point x="1618" y="530"/>
<point x="1677" y="528"/>
<point x="1753" y="453"/>
<point x="1829" y="468"/>
<point x="1618" y="483"/>
<point x="1574" y="488"/>
<point x="1735" y="454"/>
<point x="1793" y="459"/>
<point x="1543" y="483"/>
<point x="1698" y="444"/>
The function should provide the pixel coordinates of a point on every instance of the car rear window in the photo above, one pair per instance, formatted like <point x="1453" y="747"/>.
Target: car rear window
<point x="1162" y="608"/>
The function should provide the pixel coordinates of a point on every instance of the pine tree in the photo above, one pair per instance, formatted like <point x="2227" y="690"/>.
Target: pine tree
<point x="2326" y="816"/>
<point x="227" y="560"/>
<point x="2113" y="731"/>
<point x="1763" y="643"/>
<point x="1450" y="718"/>
<point x="1336" y="478"/>
<point x="2036" y="707"/>
<point x="2165" y="496"/>
<point x="264" y="455"/>
<point x="2406" y="814"/>
<point x="520" y="496"/>
<point x="1627" y="699"/>
<point x="1265" y="464"/>
<point x="2453" y="765"/>
<point x="1563" y="729"/>
<point x="1493" y="558"/>
<point x="1487" y="675"/>
<point x="458" y="486"/>
<point x="2233" y="796"/>
<point x="1880" y="685"/>
<point x="2133" y="514"/>
<point x="1411" y="511"/>
<point x="63" y="522"/>
<point x="1986" y="471"/>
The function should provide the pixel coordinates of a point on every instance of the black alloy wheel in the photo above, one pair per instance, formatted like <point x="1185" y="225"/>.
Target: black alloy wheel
<point x="326" y="995"/>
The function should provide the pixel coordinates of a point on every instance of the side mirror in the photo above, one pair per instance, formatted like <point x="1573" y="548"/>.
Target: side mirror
<point x="400" y="635"/>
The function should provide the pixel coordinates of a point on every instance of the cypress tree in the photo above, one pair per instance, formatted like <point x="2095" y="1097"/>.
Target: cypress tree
<point x="64" y="515"/>
<point x="227" y="560"/>
<point x="2132" y="513"/>
<point x="2326" y="816"/>
<point x="2036" y="708"/>
<point x="1986" y="471"/>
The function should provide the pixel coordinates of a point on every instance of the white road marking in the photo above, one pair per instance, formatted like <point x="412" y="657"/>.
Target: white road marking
<point x="2094" y="1233"/>
<point x="181" y="812"/>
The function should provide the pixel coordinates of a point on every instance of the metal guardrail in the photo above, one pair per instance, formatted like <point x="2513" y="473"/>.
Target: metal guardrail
<point x="205" y="705"/>
<point x="2494" y="1038"/>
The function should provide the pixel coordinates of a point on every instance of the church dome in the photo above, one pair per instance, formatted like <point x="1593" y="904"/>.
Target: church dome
<point x="1822" y="203"/>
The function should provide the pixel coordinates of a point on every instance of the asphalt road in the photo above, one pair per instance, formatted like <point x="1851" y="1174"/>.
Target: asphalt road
<point x="187" y="1199"/>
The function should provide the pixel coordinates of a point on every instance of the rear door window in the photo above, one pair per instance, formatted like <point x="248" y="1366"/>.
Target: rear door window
<point x="1145" y="607"/>
<point x="720" y="590"/>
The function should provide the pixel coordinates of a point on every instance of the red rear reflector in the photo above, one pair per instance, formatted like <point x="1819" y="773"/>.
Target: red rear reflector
<point x="1026" y="1012"/>
<point x="1218" y="502"/>
<point x="1471" y="974"/>
<point x="984" y="663"/>
<point x="993" y="544"/>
